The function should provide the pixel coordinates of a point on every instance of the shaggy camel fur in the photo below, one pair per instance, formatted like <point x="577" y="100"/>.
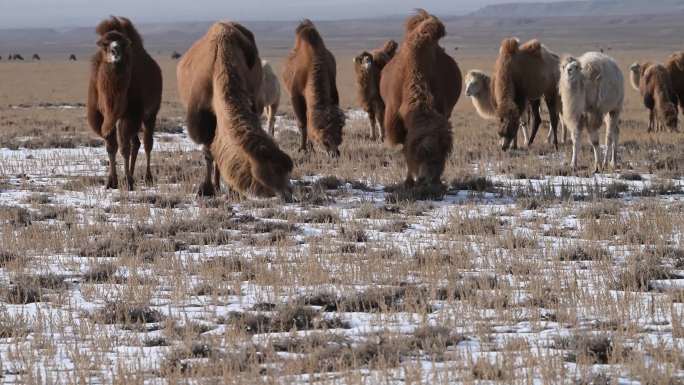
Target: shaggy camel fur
<point x="592" y="89"/>
<point x="219" y="81"/>
<point x="675" y="66"/>
<point x="655" y="86"/>
<point x="524" y="74"/>
<point x="129" y="104"/>
<point x="368" y="67"/>
<point x="270" y="95"/>
<point x="420" y="87"/>
<point x="479" y="89"/>
<point x="309" y="76"/>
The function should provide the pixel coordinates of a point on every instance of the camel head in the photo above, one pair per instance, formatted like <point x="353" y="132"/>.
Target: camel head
<point x="571" y="69"/>
<point x="475" y="82"/>
<point x="327" y="132"/>
<point x="115" y="47"/>
<point x="635" y="75"/>
<point x="364" y="61"/>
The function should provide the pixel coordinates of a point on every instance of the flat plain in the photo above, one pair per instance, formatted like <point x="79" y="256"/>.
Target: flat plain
<point x="521" y="272"/>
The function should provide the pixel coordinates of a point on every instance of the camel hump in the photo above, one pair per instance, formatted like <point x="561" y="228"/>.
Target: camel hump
<point x="533" y="47"/>
<point x="431" y="29"/>
<point x="413" y="21"/>
<point x="226" y="34"/>
<point x="122" y="25"/>
<point x="306" y="30"/>
<point x="390" y="48"/>
<point x="509" y="46"/>
<point x="677" y="59"/>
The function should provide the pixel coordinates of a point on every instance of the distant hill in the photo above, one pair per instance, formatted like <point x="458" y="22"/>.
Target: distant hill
<point x="581" y="8"/>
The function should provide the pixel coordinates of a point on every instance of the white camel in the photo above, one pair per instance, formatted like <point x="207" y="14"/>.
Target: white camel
<point x="270" y="95"/>
<point x="592" y="90"/>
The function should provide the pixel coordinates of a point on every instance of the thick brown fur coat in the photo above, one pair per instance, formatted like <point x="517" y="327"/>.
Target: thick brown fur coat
<point x="420" y="87"/>
<point x="368" y="67"/>
<point x="133" y="100"/>
<point x="219" y="82"/>
<point x="675" y="66"/>
<point x="310" y="78"/>
<point x="655" y="86"/>
<point x="524" y="74"/>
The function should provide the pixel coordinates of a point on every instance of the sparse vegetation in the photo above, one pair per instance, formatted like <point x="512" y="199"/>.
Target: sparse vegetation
<point x="516" y="270"/>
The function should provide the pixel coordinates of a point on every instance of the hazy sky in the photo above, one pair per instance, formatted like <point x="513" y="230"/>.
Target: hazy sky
<point x="62" y="13"/>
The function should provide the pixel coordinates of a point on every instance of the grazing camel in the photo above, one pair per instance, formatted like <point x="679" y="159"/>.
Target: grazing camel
<point x="368" y="67"/>
<point x="16" y="56"/>
<point x="675" y="66"/>
<point x="35" y="57"/>
<point x="176" y="55"/>
<point x="124" y="94"/>
<point x="592" y="90"/>
<point x="655" y="86"/>
<point x="270" y="95"/>
<point x="420" y="87"/>
<point x="479" y="89"/>
<point x="219" y="81"/>
<point x="524" y="74"/>
<point x="72" y="57"/>
<point x="310" y="78"/>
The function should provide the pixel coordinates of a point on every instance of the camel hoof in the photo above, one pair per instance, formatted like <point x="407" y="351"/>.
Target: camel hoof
<point x="130" y="183"/>
<point x="149" y="180"/>
<point x="112" y="183"/>
<point x="206" y="190"/>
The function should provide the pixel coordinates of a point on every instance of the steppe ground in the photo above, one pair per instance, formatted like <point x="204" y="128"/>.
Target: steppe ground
<point x="521" y="273"/>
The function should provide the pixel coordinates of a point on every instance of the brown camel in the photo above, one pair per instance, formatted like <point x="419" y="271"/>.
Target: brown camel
<point x="309" y="76"/>
<point x="72" y="57"/>
<point x="368" y="67"/>
<point x="525" y="74"/>
<point x="420" y="87"/>
<point x="655" y="86"/>
<point x="124" y="93"/>
<point x="35" y="57"/>
<point x="219" y="81"/>
<point x="675" y="66"/>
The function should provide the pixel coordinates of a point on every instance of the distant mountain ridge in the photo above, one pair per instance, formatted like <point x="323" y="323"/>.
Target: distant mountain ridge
<point x="581" y="8"/>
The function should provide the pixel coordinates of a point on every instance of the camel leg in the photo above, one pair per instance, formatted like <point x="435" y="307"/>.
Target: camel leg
<point x="124" y="139"/>
<point x="206" y="188"/>
<point x="272" y="109"/>
<point x="576" y="137"/>
<point x="552" y="106"/>
<point x="148" y="141"/>
<point x="612" y="137"/>
<point x="380" y="116"/>
<point x="373" y="127"/>
<point x="112" y="148"/>
<point x="536" y="120"/>
<point x="523" y="128"/>
<point x="217" y="178"/>
<point x="594" y="127"/>
<point x="135" y="148"/>
<point x="651" y="119"/>
<point x="299" y="107"/>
